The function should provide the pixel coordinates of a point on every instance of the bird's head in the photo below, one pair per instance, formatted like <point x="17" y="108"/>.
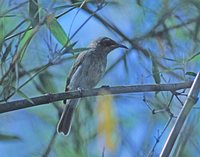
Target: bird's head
<point x="105" y="45"/>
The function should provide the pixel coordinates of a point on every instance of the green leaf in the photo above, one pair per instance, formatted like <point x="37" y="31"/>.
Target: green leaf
<point x="190" y="73"/>
<point x="45" y="79"/>
<point x="4" y="137"/>
<point x="34" y="12"/>
<point x="195" y="56"/>
<point x="24" y="42"/>
<point x="69" y="48"/>
<point x="35" y="74"/>
<point x="76" y="4"/>
<point x="23" y="95"/>
<point x="155" y="71"/>
<point x="1" y="45"/>
<point x="2" y="29"/>
<point x="25" y="38"/>
<point x="57" y="31"/>
<point x="139" y="3"/>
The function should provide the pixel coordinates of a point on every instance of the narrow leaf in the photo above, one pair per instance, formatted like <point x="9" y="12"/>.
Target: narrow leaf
<point x="23" y="95"/>
<point x="35" y="74"/>
<point x="57" y="31"/>
<point x="160" y="44"/>
<point x="155" y="71"/>
<point x="28" y="35"/>
<point x="196" y="29"/>
<point x="170" y="59"/>
<point x="195" y="56"/>
<point x="139" y="3"/>
<point x="7" y="51"/>
<point x="34" y="12"/>
<point x="69" y="48"/>
<point x="77" y="4"/>
<point x="190" y="73"/>
<point x="4" y="137"/>
<point x="125" y="64"/>
<point x="2" y="29"/>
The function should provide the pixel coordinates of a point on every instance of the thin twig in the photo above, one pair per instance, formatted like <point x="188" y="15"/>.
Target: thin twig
<point x="52" y="141"/>
<point x="159" y="136"/>
<point x="167" y="109"/>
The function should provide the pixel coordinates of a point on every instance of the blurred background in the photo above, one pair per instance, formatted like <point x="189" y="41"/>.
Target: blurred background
<point x="163" y="40"/>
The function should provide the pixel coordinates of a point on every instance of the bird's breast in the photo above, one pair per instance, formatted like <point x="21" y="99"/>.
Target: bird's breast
<point x="95" y="71"/>
<point x="89" y="73"/>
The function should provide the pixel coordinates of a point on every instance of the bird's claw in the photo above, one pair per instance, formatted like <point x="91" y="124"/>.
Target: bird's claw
<point x="80" y="89"/>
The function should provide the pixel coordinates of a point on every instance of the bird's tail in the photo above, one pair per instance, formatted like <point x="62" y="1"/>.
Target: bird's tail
<point x="64" y="124"/>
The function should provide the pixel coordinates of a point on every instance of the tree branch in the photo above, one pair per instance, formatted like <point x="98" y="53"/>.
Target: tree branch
<point x="189" y="103"/>
<point x="49" y="98"/>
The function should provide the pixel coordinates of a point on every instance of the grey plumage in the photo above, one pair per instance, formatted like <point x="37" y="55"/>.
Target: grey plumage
<point x="86" y="72"/>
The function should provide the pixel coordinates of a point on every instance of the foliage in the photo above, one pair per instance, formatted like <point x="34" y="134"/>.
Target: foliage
<point x="40" y="39"/>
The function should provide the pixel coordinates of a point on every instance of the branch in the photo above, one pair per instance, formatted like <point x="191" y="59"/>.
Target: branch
<point x="49" y="98"/>
<point x="189" y="103"/>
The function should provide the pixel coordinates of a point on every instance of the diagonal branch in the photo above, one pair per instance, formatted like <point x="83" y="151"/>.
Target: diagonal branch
<point x="189" y="103"/>
<point x="49" y="98"/>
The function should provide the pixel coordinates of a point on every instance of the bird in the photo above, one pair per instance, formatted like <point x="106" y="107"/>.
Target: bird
<point x="86" y="72"/>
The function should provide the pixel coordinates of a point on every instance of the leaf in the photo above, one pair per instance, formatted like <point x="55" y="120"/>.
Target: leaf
<point x="155" y="71"/>
<point x="69" y="48"/>
<point x="23" y="95"/>
<point x="107" y="121"/>
<point x="170" y="59"/>
<point x="57" y="31"/>
<point x="76" y="4"/>
<point x="160" y="44"/>
<point x="196" y="29"/>
<point x="12" y="31"/>
<point x="35" y="74"/>
<point x="4" y="137"/>
<point x="125" y="64"/>
<point x="195" y="56"/>
<point x="7" y="51"/>
<point x="167" y="36"/>
<point x="26" y="38"/>
<point x="139" y="3"/>
<point x="24" y="42"/>
<point x="45" y="79"/>
<point x="1" y="46"/>
<point x="2" y="29"/>
<point x="34" y="12"/>
<point x="190" y="73"/>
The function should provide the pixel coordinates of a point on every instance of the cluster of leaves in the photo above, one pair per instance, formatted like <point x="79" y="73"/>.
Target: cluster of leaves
<point x="14" y="44"/>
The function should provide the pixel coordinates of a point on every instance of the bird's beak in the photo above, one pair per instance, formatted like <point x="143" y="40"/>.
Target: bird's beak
<point x="122" y="46"/>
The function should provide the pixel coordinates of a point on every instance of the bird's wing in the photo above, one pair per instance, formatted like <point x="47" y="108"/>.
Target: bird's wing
<point x="79" y="61"/>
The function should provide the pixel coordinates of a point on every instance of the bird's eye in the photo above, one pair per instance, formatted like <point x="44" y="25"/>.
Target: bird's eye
<point x="107" y="42"/>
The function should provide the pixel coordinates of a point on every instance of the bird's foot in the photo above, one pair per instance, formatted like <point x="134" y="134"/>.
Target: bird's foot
<point x="80" y="89"/>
